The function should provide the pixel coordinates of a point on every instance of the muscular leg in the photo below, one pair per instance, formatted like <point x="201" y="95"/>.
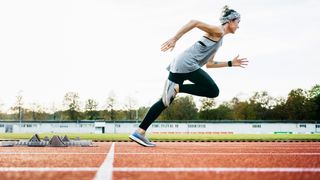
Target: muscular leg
<point x="203" y="85"/>
<point x="157" y="108"/>
<point x="152" y="114"/>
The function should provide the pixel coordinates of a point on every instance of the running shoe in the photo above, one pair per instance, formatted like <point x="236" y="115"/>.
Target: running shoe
<point x="169" y="93"/>
<point x="141" y="139"/>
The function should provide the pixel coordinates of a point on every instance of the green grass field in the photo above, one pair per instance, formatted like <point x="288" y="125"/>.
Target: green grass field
<point x="176" y="137"/>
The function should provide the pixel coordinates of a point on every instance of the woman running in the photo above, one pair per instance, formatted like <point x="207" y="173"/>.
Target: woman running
<point x="187" y="66"/>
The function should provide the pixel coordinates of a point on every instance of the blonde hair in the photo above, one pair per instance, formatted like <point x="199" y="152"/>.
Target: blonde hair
<point x="225" y="9"/>
<point x="228" y="15"/>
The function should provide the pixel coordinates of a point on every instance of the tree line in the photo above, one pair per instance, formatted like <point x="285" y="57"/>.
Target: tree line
<point x="299" y="105"/>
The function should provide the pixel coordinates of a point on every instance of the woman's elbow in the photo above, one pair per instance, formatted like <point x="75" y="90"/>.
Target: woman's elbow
<point x="194" y="23"/>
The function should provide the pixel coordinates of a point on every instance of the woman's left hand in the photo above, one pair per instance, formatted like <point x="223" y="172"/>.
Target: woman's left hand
<point x="169" y="44"/>
<point x="239" y="62"/>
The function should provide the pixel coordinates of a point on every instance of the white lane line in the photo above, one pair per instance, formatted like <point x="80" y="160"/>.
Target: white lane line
<point x="126" y="169"/>
<point x="106" y="169"/>
<point x="48" y="153"/>
<point x="182" y="153"/>
<point x="45" y="169"/>
<point x="282" y="154"/>
<point x="129" y="169"/>
<point x="254" y="148"/>
<point x="283" y="146"/>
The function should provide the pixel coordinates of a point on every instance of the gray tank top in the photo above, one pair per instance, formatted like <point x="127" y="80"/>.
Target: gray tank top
<point x="195" y="56"/>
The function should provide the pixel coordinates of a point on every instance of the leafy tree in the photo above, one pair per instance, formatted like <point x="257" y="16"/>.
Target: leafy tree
<point x="18" y="107"/>
<point x="53" y="109"/>
<point x="261" y="104"/>
<point x="182" y="108"/>
<point x="243" y="110"/>
<point x="72" y="102"/>
<point x="295" y="104"/>
<point x="238" y="108"/>
<point x="142" y="111"/>
<point x="130" y="108"/>
<point x="111" y="103"/>
<point x="91" y="109"/>
<point x="314" y="102"/>
<point x="314" y="91"/>
<point x="37" y="112"/>
<point x="279" y="111"/>
<point x="224" y="111"/>
<point x="207" y="104"/>
<point x="2" y="114"/>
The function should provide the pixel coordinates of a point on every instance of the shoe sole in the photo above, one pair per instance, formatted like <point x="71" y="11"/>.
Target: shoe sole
<point x="164" y="96"/>
<point x="165" y="99"/>
<point x="137" y="140"/>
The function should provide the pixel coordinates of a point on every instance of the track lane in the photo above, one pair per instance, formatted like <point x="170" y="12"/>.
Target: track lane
<point x="61" y="163"/>
<point x="216" y="155"/>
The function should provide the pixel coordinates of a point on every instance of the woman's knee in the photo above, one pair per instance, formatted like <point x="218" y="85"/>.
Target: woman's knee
<point x="214" y="92"/>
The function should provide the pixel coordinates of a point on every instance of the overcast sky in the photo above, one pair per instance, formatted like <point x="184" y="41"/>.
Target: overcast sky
<point x="48" y="48"/>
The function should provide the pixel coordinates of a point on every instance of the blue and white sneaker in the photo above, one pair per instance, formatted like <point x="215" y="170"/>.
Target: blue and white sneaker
<point x="141" y="139"/>
<point x="169" y="93"/>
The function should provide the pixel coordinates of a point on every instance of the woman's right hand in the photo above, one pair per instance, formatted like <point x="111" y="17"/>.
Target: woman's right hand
<point x="169" y="44"/>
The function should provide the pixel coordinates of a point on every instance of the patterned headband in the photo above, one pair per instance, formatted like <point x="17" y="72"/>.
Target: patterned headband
<point x="233" y="15"/>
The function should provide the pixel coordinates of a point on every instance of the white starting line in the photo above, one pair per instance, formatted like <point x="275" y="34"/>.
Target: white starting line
<point x="106" y="168"/>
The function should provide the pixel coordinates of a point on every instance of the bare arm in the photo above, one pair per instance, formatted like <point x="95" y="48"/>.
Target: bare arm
<point x="209" y="29"/>
<point x="236" y="62"/>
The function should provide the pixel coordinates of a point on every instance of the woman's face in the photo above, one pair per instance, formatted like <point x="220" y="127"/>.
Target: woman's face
<point x="234" y="25"/>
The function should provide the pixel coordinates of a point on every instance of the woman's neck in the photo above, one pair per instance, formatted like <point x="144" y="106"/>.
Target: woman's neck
<point x="225" y="29"/>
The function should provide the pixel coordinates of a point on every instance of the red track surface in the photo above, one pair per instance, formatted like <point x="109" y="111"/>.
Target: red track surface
<point x="132" y="161"/>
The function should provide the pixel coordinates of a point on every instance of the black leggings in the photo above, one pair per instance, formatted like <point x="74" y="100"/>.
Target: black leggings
<point x="203" y="85"/>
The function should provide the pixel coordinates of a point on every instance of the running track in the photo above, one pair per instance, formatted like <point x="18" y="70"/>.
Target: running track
<point x="169" y="160"/>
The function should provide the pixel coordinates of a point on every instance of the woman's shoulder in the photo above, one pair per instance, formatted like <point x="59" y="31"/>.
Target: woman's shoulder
<point x="213" y="37"/>
<point x="216" y="34"/>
